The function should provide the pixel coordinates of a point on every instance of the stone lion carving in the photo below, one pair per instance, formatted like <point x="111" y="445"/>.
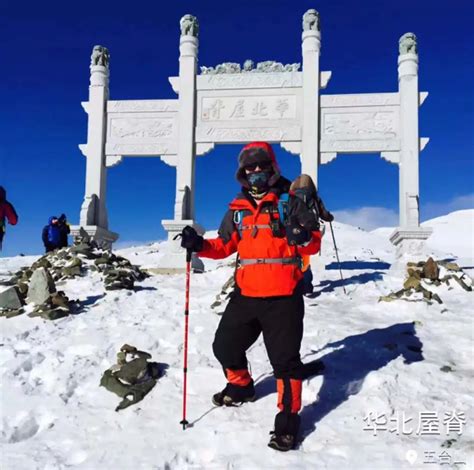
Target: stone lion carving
<point x="292" y="67"/>
<point x="249" y="65"/>
<point x="267" y="66"/>
<point x="270" y="66"/>
<point x="311" y="21"/>
<point x="228" y="67"/>
<point x="100" y="56"/>
<point x="407" y="44"/>
<point x="189" y="26"/>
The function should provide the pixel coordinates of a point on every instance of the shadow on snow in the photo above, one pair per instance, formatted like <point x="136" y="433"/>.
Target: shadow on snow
<point x="357" y="356"/>
<point x="347" y="366"/>
<point x="330" y="285"/>
<point x="359" y="265"/>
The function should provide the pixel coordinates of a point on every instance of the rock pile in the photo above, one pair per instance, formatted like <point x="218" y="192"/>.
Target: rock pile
<point x="224" y="294"/>
<point x="133" y="377"/>
<point x="423" y="278"/>
<point x="39" y="289"/>
<point x="118" y="272"/>
<point x="37" y="284"/>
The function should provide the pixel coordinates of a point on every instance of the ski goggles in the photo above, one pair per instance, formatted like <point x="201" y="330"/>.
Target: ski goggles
<point x="265" y="165"/>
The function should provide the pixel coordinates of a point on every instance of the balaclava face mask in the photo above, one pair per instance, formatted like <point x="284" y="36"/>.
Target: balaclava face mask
<point x="258" y="181"/>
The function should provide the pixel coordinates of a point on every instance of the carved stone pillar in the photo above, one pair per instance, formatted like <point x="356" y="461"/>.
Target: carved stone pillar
<point x="185" y="168"/>
<point x="188" y="50"/>
<point x="409" y="234"/>
<point x="311" y="45"/>
<point x="93" y="217"/>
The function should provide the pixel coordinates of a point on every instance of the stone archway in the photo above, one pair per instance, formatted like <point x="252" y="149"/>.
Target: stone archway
<point x="234" y="104"/>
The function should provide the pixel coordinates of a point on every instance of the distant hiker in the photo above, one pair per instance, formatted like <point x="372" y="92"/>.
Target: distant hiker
<point x="304" y="188"/>
<point x="51" y="234"/>
<point x="64" y="229"/>
<point x="7" y="211"/>
<point x="269" y="285"/>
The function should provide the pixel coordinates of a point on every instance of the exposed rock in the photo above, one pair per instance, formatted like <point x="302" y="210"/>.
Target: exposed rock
<point x="119" y="279"/>
<point x="450" y="266"/>
<point x="83" y="249"/>
<point x="411" y="283"/>
<point x="49" y="314"/>
<point x="225" y="293"/>
<point x="431" y="269"/>
<point x="43" y="262"/>
<point x="462" y="283"/>
<point x="38" y="283"/>
<point x="428" y="274"/>
<point x="23" y="289"/>
<point x="41" y="286"/>
<point x="10" y="299"/>
<point x="59" y="299"/>
<point x="71" y="272"/>
<point x="13" y="313"/>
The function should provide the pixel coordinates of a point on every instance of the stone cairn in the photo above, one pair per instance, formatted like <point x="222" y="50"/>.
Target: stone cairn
<point x="37" y="284"/>
<point x="224" y="295"/>
<point x="425" y="276"/>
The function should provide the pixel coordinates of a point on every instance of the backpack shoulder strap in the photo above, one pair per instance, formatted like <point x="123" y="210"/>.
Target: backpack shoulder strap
<point x="283" y="207"/>
<point x="239" y="218"/>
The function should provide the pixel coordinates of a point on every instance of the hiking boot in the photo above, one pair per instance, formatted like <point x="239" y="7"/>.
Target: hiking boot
<point x="286" y="429"/>
<point x="233" y="395"/>
<point x="282" y="442"/>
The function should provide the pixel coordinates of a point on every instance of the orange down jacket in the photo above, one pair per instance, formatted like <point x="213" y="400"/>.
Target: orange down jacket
<point x="260" y="279"/>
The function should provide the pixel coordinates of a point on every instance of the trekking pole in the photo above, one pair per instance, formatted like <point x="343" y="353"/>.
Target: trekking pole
<point x="337" y="257"/>
<point x="189" y="253"/>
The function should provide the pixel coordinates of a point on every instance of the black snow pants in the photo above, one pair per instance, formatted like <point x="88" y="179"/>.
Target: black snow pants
<point x="280" y="319"/>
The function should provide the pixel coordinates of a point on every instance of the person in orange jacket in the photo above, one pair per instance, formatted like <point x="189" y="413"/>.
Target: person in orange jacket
<point x="268" y="297"/>
<point x="7" y="211"/>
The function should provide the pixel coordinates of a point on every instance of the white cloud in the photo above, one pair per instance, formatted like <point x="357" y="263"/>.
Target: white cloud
<point x="122" y="244"/>
<point x="368" y="218"/>
<point x="431" y="210"/>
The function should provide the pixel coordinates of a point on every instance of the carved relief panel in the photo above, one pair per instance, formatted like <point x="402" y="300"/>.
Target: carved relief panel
<point x="360" y="123"/>
<point x="137" y="127"/>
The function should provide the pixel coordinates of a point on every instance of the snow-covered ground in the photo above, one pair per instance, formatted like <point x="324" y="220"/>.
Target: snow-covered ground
<point x="381" y="403"/>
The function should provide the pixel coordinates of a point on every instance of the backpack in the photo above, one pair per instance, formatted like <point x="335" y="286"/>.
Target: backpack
<point x="54" y="235"/>
<point x="303" y="188"/>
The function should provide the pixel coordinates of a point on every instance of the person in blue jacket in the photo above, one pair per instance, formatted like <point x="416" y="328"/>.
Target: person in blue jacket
<point x="52" y="234"/>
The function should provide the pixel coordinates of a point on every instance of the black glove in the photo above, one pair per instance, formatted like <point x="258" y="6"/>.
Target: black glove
<point x="324" y="214"/>
<point x="328" y="217"/>
<point x="191" y="240"/>
<point x="295" y="233"/>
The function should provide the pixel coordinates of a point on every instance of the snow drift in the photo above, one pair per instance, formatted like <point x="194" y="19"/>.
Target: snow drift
<point x="398" y="375"/>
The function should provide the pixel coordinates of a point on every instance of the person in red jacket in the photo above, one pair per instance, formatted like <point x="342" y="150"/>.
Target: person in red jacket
<point x="7" y="211"/>
<point x="268" y="297"/>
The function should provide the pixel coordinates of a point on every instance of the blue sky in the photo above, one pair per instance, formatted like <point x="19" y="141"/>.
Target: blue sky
<point x="46" y="48"/>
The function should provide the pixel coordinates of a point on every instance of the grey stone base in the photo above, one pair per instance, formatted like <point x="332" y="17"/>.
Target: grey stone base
<point x="174" y="258"/>
<point x="103" y="237"/>
<point x="411" y="242"/>
<point x="417" y="233"/>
